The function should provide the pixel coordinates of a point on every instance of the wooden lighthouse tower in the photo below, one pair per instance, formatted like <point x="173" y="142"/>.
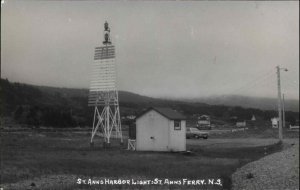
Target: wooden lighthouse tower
<point x="103" y="94"/>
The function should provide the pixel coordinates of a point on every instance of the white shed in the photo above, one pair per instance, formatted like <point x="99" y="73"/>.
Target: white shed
<point x="160" y="129"/>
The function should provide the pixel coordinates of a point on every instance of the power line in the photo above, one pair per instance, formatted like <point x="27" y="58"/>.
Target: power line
<point x="257" y="81"/>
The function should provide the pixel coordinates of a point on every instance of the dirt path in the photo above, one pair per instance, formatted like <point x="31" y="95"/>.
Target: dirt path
<point x="279" y="171"/>
<point x="230" y="143"/>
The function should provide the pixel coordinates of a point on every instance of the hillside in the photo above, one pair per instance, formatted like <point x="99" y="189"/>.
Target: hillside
<point x="71" y="92"/>
<point x="250" y="102"/>
<point x="232" y="100"/>
<point x="63" y="107"/>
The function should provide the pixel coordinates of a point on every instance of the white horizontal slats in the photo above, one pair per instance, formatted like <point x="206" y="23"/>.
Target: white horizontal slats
<point x="105" y="52"/>
<point x="103" y="76"/>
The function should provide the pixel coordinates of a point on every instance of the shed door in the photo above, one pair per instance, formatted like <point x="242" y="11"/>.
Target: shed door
<point x="177" y="135"/>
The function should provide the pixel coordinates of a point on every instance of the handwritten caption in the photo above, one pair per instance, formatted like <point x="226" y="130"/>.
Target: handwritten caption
<point x="155" y="181"/>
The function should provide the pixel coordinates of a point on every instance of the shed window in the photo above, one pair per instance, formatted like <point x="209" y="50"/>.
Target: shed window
<point x="177" y="125"/>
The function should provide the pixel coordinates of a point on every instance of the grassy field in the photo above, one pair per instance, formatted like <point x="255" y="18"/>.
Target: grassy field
<point x="34" y="157"/>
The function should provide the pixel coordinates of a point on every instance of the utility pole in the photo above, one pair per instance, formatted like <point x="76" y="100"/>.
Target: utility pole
<point x="279" y="105"/>
<point x="283" y="111"/>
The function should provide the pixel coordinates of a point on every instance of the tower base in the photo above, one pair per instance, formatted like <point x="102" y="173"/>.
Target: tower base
<point x="108" y="122"/>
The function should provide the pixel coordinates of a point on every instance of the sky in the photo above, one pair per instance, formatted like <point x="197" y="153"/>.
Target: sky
<point x="170" y="49"/>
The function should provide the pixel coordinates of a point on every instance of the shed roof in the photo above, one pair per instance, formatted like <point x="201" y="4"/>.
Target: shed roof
<point x="167" y="112"/>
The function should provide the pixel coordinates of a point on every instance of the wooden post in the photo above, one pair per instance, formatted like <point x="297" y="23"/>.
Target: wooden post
<point x="279" y="105"/>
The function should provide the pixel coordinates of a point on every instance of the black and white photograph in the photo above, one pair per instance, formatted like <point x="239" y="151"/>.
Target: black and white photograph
<point x="174" y="94"/>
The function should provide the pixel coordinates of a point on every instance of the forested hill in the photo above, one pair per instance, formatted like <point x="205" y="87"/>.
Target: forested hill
<point x="71" y="92"/>
<point x="62" y="107"/>
<point x="249" y="102"/>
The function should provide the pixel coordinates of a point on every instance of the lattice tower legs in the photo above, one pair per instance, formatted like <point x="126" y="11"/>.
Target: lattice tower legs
<point x="107" y="119"/>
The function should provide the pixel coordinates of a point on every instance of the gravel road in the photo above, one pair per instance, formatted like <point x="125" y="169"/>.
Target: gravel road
<point x="279" y="171"/>
<point x="230" y="143"/>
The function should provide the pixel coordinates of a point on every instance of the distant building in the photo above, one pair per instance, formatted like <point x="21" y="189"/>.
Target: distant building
<point x="295" y="125"/>
<point x="131" y="117"/>
<point x="275" y="122"/>
<point x="203" y="121"/>
<point x="233" y="118"/>
<point x="253" y="118"/>
<point x="241" y="123"/>
<point x="160" y="129"/>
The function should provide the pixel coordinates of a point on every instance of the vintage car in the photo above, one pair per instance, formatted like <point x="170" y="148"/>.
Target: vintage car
<point x="196" y="133"/>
